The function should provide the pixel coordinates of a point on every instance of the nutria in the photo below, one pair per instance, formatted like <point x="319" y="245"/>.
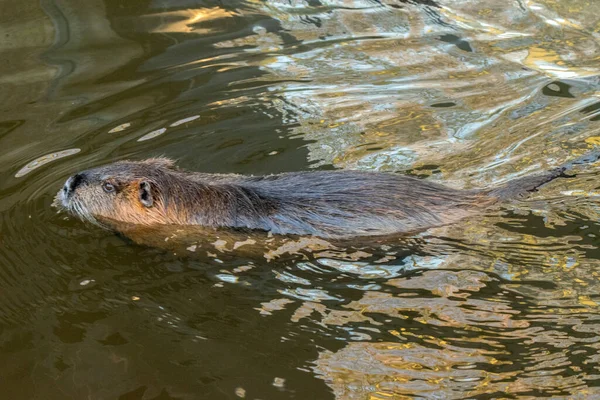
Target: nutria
<point x="328" y="204"/>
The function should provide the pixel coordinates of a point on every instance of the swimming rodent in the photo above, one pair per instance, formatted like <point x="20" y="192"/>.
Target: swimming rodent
<point x="328" y="204"/>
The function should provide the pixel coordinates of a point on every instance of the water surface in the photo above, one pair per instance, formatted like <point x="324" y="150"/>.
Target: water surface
<point x="469" y="93"/>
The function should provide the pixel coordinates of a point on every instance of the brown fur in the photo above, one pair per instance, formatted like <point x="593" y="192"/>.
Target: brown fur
<point x="333" y="204"/>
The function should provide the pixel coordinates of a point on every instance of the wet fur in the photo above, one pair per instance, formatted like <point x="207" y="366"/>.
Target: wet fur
<point x="330" y="204"/>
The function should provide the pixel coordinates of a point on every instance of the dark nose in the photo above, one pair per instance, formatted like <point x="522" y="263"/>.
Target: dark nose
<point x="72" y="183"/>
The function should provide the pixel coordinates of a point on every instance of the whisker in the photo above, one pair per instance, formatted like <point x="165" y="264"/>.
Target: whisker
<point x="84" y="214"/>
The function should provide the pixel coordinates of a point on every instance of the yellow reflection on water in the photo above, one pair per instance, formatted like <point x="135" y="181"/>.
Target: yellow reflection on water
<point x="183" y="21"/>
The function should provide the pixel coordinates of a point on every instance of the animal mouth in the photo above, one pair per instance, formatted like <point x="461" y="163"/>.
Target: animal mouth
<point x="60" y="201"/>
<point x="68" y="202"/>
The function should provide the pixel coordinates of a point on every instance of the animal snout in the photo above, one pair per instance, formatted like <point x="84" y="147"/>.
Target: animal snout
<point x="72" y="183"/>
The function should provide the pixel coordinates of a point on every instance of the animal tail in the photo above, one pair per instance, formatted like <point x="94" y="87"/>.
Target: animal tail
<point x="522" y="187"/>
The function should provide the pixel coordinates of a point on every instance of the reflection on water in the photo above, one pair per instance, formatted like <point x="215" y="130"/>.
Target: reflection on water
<point x="472" y="94"/>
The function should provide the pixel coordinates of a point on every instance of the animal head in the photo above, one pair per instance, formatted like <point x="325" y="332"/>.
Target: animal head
<point x="126" y="191"/>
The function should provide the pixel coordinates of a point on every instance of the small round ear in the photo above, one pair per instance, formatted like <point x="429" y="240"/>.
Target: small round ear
<point x="145" y="194"/>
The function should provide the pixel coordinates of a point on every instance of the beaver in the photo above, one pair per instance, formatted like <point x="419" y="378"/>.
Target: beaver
<point x="328" y="204"/>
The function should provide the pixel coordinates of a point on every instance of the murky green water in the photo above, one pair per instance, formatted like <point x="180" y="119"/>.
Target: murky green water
<point x="470" y="93"/>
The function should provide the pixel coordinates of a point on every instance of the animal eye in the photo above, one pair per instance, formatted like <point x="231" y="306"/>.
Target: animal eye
<point x="108" y="187"/>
